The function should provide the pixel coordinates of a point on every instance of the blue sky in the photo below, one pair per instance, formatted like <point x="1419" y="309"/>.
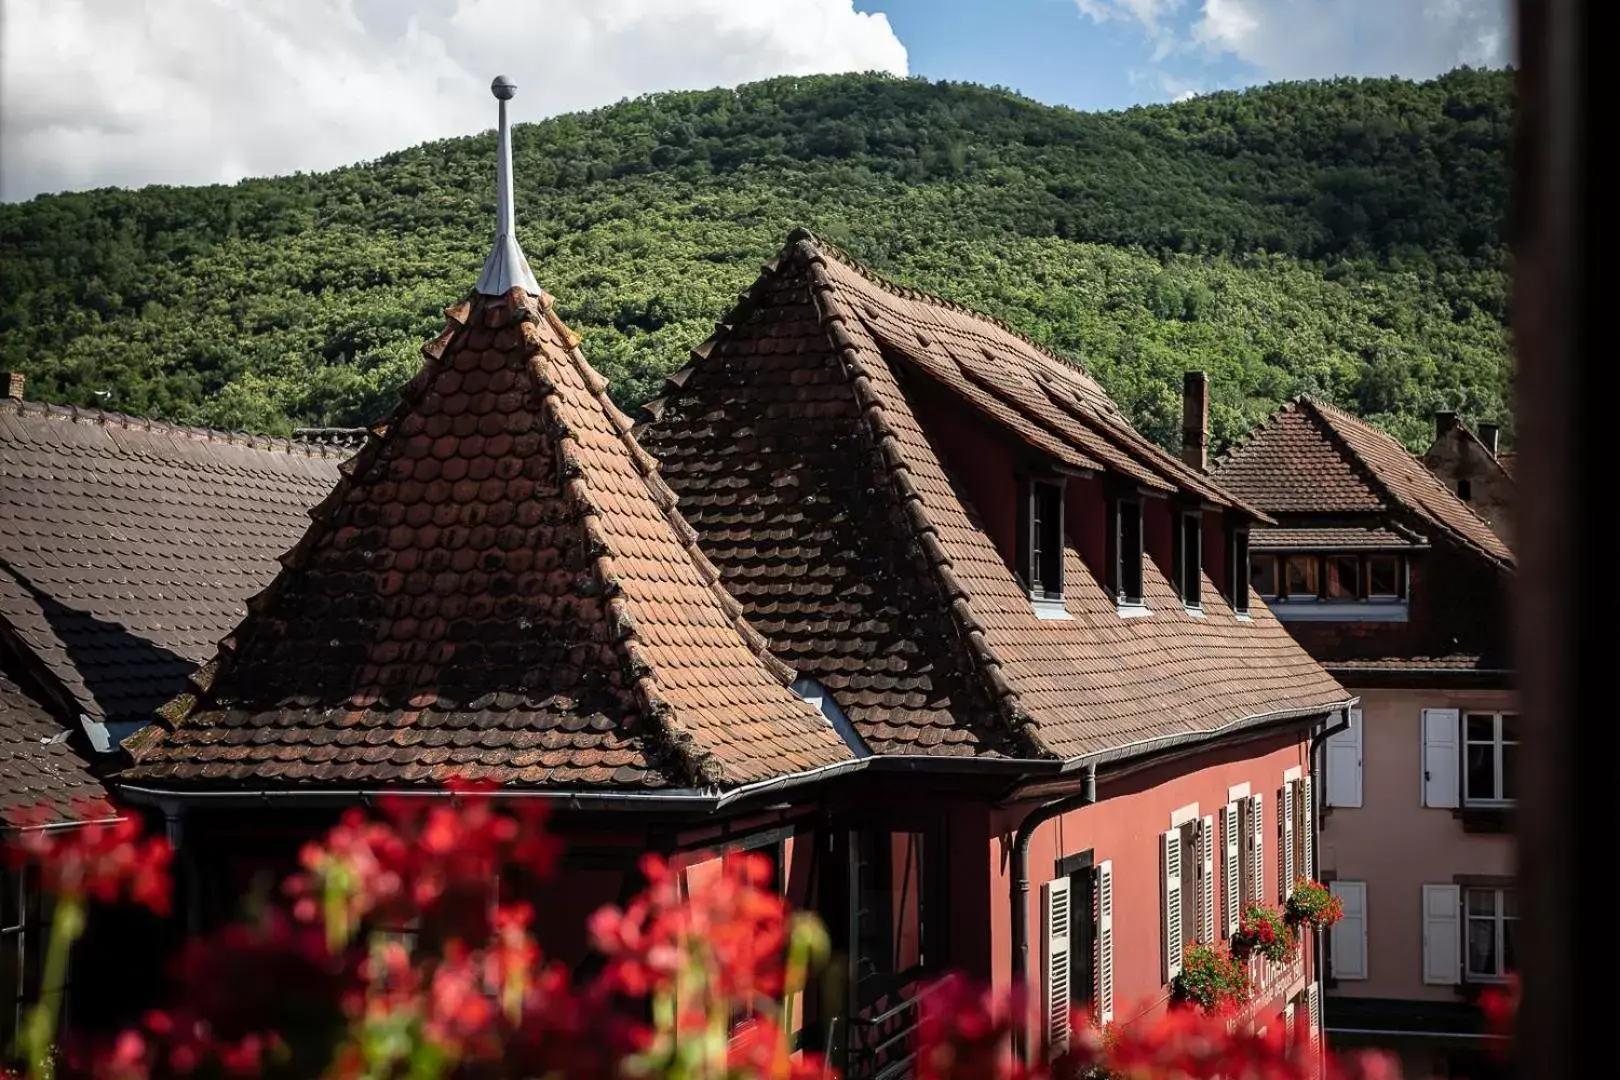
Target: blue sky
<point x="1110" y="54"/>
<point x="209" y="91"/>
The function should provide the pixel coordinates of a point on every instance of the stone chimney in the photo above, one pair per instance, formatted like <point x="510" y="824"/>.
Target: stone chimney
<point x="1444" y="421"/>
<point x="1195" y="419"/>
<point x="1489" y="434"/>
<point x="14" y="381"/>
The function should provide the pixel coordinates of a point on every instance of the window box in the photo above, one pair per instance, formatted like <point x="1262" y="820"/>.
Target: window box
<point x="1485" y="820"/>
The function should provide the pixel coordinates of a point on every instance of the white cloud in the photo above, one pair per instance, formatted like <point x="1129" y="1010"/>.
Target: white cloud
<point x="1304" y="39"/>
<point x="97" y="92"/>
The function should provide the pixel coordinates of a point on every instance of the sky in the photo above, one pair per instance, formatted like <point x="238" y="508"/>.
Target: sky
<point x="125" y="93"/>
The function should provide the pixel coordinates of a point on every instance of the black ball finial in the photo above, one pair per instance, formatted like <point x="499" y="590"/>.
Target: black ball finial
<point x="503" y="88"/>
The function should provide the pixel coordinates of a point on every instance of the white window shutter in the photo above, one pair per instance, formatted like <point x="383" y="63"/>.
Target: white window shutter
<point x="1344" y="764"/>
<point x="1307" y="829"/>
<point x="1206" y="881"/>
<point x="1313" y="1005"/>
<point x="1105" y="942"/>
<point x="1288" y="810"/>
<point x="1347" y="938"/>
<point x="1170" y="842"/>
<point x="1057" y="919"/>
<point x="1441" y="758"/>
<point x="1257" y="814"/>
<point x="1229" y="869"/>
<point x="1442" y="934"/>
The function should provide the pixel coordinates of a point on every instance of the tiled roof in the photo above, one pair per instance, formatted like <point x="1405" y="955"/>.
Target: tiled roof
<point x="128" y="548"/>
<point x="793" y="443"/>
<point x="501" y="589"/>
<point x="1313" y="458"/>
<point x="1507" y="459"/>
<point x="42" y="779"/>
<point x="1332" y="538"/>
<point x="1457" y="662"/>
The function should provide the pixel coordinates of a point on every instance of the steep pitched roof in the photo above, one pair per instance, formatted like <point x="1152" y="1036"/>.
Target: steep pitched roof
<point x="128" y="548"/>
<point x="799" y="457"/>
<point x="42" y="779"/>
<point x="499" y="588"/>
<point x="1311" y="458"/>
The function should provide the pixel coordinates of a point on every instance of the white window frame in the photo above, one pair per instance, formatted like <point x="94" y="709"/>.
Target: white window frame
<point x="1496" y="743"/>
<point x="1499" y="920"/>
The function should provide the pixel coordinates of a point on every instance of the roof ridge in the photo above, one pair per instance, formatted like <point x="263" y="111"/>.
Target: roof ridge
<point x="1020" y="724"/>
<point x="86" y="414"/>
<point x="907" y="292"/>
<point x="1495" y="456"/>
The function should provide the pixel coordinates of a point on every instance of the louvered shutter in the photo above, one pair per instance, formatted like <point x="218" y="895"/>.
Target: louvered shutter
<point x="1344" y="764"/>
<point x="1347" y="938"/>
<point x="1170" y="842"/>
<point x="1313" y="1005"/>
<point x="1229" y="869"/>
<point x="1206" y="880"/>
<point x="1257" y="815"/>
<point x="1307" y="830"/>
<point x="1057" y="917"/>
<point x="1105" y="941"/>
<point x="1441" y="758"/>
<point x="1442" y="934"/>
<point x="1288" y="811"/>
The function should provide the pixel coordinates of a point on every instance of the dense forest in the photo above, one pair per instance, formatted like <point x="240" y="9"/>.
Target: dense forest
<point x="1342" y="238"/>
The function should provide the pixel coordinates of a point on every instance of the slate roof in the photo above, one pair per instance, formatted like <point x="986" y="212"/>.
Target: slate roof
<point x="500" y="588"/>
<point x="1333" y="538"/>
<point x="128" y="547"/>
<point x="42" y="779"/>
<point x="1313" y="459"/>
<point x="799" y="458"/>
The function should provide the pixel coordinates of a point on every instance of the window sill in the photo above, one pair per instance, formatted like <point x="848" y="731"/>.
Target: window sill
<point x="1048" y="608"/>
<point x="1496" y="818"/>
<point x="1132" y="611"/>
<point x="1242" y="616"/>
<point x="1195" y="610"/>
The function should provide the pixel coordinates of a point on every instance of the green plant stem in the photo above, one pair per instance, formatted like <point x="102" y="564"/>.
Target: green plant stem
<point x="38" y="1034"/>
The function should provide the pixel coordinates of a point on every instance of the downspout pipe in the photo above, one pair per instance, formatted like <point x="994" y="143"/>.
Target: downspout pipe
<point x="1319" y="794"/>
<point x="1020" y="887"/>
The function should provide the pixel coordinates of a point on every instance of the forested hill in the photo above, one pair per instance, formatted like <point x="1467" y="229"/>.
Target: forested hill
<point x="1343" y="238"/>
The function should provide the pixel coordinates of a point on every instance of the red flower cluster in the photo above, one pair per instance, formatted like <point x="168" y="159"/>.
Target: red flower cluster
<point x="963" y="1032"/>
<point x="107" y="861"/>
<point x="1312" y="903"/>
<point x="1213" y="979"/>
<point x="1263" y="929"/>
<point x="731" y="929"/>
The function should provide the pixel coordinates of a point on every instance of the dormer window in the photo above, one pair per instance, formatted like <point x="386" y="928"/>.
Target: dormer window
<point x="1125" y="554"/>
<point x="1237" y="571"/>
<point x="1040" y="539"/>
<point x="1188" y="557"/>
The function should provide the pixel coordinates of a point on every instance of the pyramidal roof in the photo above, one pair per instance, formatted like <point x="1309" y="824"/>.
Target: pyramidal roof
<point x="499" y="588"/>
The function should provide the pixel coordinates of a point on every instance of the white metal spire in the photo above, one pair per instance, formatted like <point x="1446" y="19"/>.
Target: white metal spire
<point x="506" y="265"/>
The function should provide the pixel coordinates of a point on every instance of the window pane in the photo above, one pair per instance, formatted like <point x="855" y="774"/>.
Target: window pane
<point x="1481" y="728"/>
<point x="1510" y="946"/>
<point x="1263" y="574"/>
<point x="1383" y="575"/>
<point x="1192" y="551"/>
<point x="1237" y="584"/>
<point x="1481" y="902"/>
<point x="1510" y="770"/>
<point x="1130" y="551"/>
<point x="1510" y="727"/>
<point x="1047" y="530"/>
<point x="1482" y="947"/>
<point x="1301" y="573"/>
<point x="1480" y="771"/>
<point x="1510" y="903"/>
<point x="1343" y="574"/>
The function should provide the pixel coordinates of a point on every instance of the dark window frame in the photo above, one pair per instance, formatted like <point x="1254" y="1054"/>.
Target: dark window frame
<point x="1126" y="562"/>
<point x="1041" y="536"/>
<point x="1081" y="870"/>
<point x="1187" y="557"/>
<point x="1238" y="570"/>
<point x="1364" y="595"/>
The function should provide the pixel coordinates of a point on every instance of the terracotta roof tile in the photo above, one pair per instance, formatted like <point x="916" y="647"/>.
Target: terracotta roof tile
<point x="40" y="773"/>
<point x="1332" y="538"/>
<point x="1311" y="458"/>
<point x="548" y="621"/>
<point x="827" y="505"/>
<point x="127" y="547"/>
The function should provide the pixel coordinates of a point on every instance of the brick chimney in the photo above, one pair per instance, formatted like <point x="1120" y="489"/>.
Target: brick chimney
<point x="1195" y="419"/>
<point x="1489" y="434"/>
<point x="14" y="381"/>
<point x="1444" y="421"/>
